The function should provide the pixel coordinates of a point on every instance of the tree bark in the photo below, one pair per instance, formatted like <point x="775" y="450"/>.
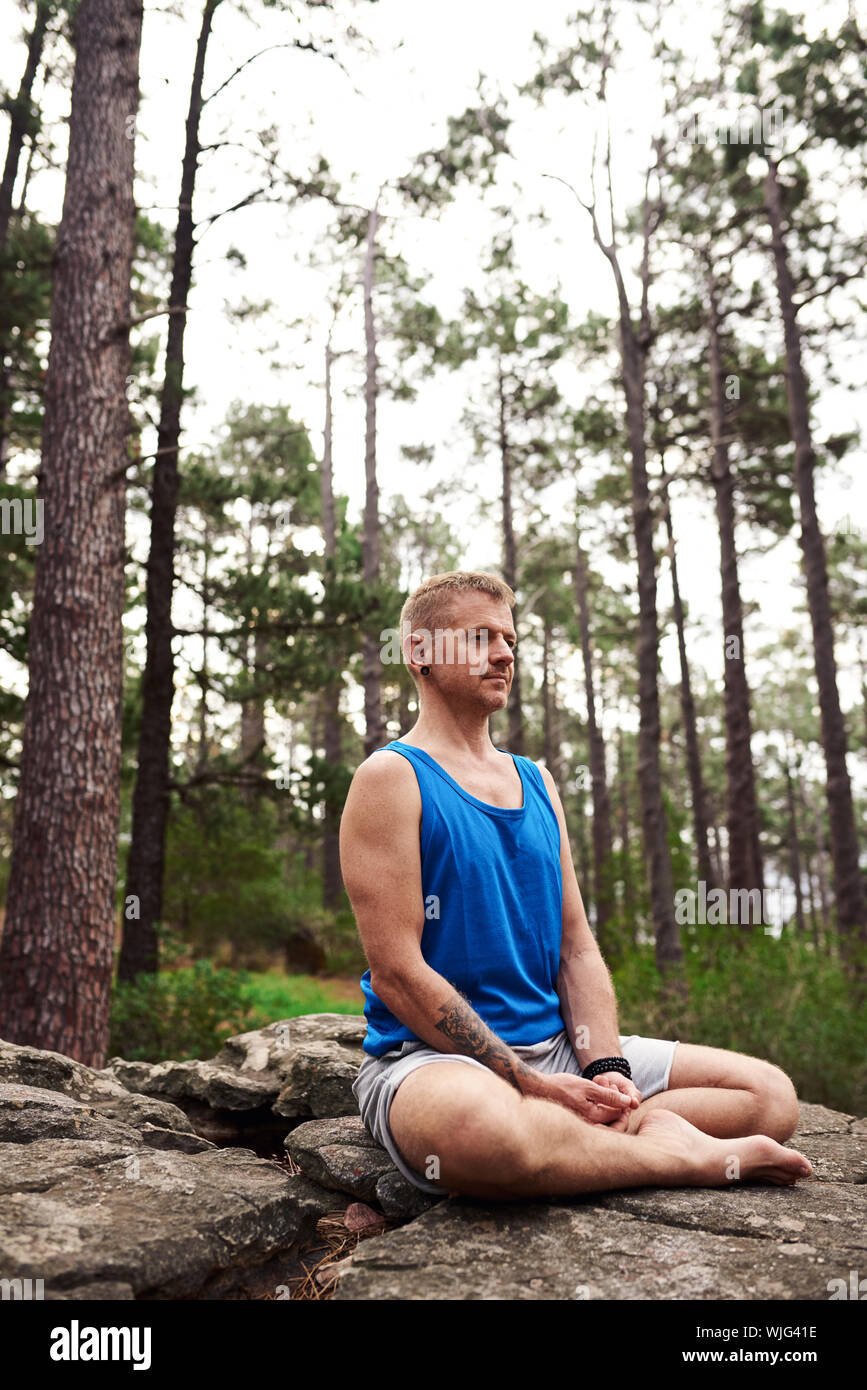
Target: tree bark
<point x="20" y="112"/>
<point x="745" y="869"/>
<point x="603" y="891"/>
<point x="626" y="847"/>
<point x="687" y="705"/>
<point x="848" y="882"/>
<point x="669" y="951"/>
<point x="794" y="848"/>
<point x="56" y="950"/>
<point x="19" y="116"/>
<point x="332" y="878"/>
<point x="515" y="712"/>
<point x="371" y="654"/>
<point x="146" y="861"/>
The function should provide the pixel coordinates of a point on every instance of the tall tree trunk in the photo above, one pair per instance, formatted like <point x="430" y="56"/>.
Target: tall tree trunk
<point x="603" y="888"/>
<point x="626" y="846"/>
<point x="583" y="868"/>
<point x="687" y="705"/>
<point x="332" y="879"/>
<point x="717" y="852"/>
<point x="745" y="869"/>
<point x="146" y="861"/>
<point x="20" y="116"/>
<point x="252" y="742"/>
<point x="20" y="119"/>
<point x="371" y="653"/>
<point x="202" y="751"/>
<point x="813" y="813"/>
<point x="515" y="712"/>
<point x="253" y="709"/>
<point x="848" y="882"/>
<point x="545" y="694"/>
<point x="633" y="351"/>
<point x="551" y="754"/>
<point x="634" y="343"/>
<point x="56" y="950"/>
<point x="794" y="848"/>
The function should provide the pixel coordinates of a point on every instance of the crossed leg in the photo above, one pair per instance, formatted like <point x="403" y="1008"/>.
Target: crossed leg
<point x="725" y="1094"/>
<point x="491" y="1142"/>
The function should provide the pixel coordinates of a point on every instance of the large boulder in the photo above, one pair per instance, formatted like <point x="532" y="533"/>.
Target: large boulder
<point x="342" y="1154"/>
<point x="292" y="1069"/>
<point x="101" y="1090"/>
<point x="95" y="1208"/>
<point x="747" y="1241"/>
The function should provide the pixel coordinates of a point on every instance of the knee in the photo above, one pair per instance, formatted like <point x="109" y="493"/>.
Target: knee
<point x="779" y="1111"/>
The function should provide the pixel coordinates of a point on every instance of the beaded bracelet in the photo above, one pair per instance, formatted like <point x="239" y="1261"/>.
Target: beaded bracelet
<point x="604" y="1064"/>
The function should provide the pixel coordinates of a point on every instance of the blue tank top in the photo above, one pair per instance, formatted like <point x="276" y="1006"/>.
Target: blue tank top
<point x="493" y="897"/>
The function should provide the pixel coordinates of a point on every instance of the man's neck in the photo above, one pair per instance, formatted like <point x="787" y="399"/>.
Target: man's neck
<point x="467" y="737"/>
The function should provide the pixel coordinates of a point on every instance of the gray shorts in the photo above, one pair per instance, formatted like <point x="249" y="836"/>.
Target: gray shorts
<point x="379" y="1077"/>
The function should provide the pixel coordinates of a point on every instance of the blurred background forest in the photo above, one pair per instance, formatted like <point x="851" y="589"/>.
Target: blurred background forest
<point x="584" y="309"/>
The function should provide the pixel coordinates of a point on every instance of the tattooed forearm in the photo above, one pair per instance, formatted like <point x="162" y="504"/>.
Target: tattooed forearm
<point x="462" y="1025"/>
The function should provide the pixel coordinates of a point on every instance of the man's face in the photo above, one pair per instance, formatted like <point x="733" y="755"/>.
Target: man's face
<point x="472" y="659"/>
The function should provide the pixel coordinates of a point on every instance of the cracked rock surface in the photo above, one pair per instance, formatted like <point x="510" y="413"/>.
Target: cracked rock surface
<point x="98" y="1207"/>
<point x="111" y="1188"/>
<point x="750" y="1241"/>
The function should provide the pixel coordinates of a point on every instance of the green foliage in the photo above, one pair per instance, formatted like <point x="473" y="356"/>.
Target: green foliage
<point x="186" y="1012"/>
<point x="189" y="1010"/>
<point x="278" y="996"/>
<point x="778" y="999"/>
<point x="223" y="875"/>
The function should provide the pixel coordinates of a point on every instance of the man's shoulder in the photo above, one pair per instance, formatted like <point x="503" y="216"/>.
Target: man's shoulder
<point x="539" y="767"/>
<point x="384" y="767"/>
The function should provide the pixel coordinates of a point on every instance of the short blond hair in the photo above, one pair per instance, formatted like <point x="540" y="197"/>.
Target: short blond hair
<point x="431" y="607"/>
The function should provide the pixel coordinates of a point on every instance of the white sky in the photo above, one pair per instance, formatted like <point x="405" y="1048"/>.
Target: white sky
<point x="423" y="67"/>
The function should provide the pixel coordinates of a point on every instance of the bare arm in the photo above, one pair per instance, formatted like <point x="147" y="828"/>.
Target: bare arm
<point x="381" y="863"/>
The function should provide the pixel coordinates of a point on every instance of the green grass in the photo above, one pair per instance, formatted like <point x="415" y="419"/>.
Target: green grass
<point x="289" y="996"/>
<point x="189" y="1011"/>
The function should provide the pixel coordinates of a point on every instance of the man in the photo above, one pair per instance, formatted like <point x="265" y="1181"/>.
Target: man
<point x="487" y="1000"/>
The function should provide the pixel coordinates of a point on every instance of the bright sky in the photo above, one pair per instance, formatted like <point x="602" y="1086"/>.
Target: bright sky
<point x="423" y="65"/>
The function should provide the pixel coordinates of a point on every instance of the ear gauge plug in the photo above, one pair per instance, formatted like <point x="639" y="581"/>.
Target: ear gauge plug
<point x="425" y="670"/>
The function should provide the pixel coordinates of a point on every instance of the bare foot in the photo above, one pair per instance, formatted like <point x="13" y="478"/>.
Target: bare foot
<point x="696" y="1159"/>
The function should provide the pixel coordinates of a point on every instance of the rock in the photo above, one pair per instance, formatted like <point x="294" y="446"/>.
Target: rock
<point x="291" y="1069"/>
<point x="747" y="1241"/>
<point x="319" y="1077"/>
<point x="115" y="1193"/>
<point x="342" y="1154"/>
<point x="142" y="1111"/>
<point x="158" y="1138"/>
<point x="51" y="1071"/>
<point x="360" y="1217"/>
<point x="818" y="1119"/>
<point x="649" y="1244"/>
<point x="96" y="1218"/>
<point x="29" y="1112"/>
<point x="339" y="1154"/>
<point x="221" y="1088"/>
<point x="399" y="1198"/>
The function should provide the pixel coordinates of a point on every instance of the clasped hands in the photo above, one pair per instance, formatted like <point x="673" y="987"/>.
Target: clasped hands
<point x="607" y="1100"/>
